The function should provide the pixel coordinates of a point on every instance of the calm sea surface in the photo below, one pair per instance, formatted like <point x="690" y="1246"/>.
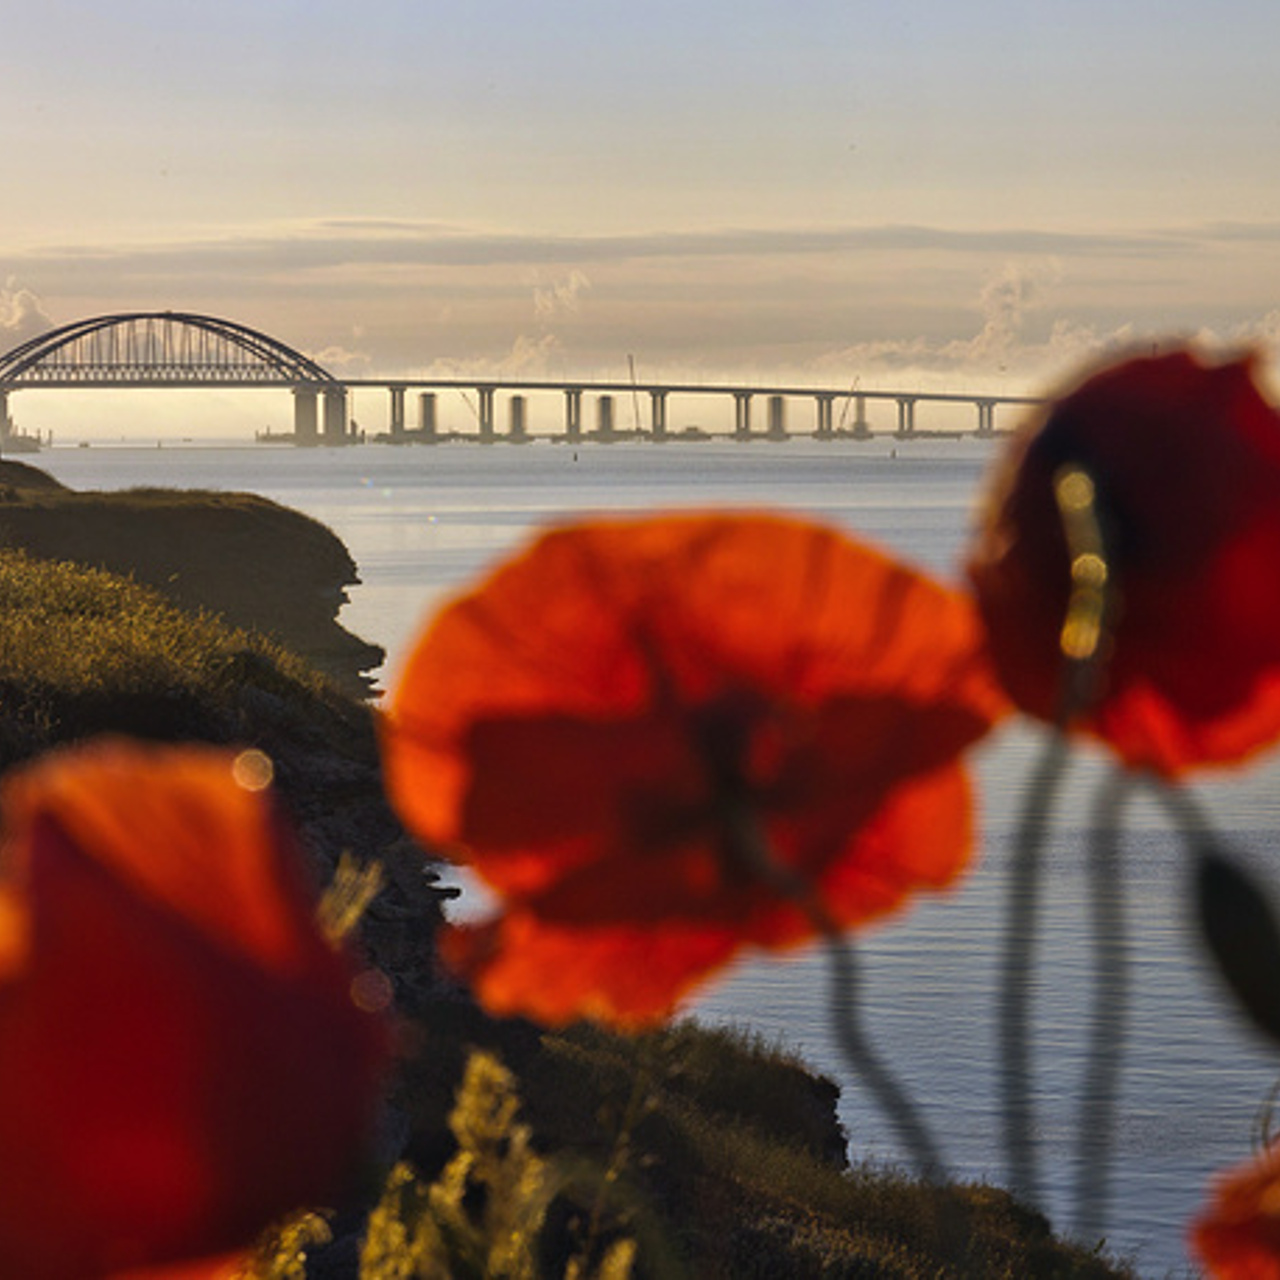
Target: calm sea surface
<point x="421" y="522"/>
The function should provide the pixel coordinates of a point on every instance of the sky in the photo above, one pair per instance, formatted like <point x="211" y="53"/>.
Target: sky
<point x="888" y="193"/>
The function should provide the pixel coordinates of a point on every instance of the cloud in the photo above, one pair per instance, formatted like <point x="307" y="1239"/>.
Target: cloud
<point x="527" y="357"/>
<point x="560" y="297"/>
<point x="22" y="315"/>
<point x="1003" y="347"/>
<point x="292" y="251"/>
<point x="1004" y="302"/>
<point x="342" y="362"/>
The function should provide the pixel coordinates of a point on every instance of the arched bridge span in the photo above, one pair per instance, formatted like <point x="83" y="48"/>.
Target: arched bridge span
<point x="175" y="349"/>
<point x="157" y="349"/>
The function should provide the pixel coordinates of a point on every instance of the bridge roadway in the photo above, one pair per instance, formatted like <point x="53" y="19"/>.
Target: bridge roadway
<point x="322" y="417"/>
<point x="172" y="349"/>
<point x="606" y="426"/>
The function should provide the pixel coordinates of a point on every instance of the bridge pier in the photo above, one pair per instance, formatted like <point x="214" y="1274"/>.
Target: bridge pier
<point x="986" y="416"/>
<point x="777" y="418"/>
<point x="861" y="427"/>
<point x="517" y="428"/>
<point x="485" y="396"/>
<point x="906" y="415"/>
<point x="742" y="415"/>
<point x="335" y="415"/>
<point x="658" y="416"/>
<point x="604" y="417"/>
<point x="306" y="429"/>
<point x="397" y="412"/>
<point x="573" y="413"/>
<point x="824" y="427"/>
<point x="427" y="416"/>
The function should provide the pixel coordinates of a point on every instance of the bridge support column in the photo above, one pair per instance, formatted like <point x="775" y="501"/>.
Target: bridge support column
<point x="6" y="422"/>
<point x="742" y="414"/>
<point x="777" y="418"/>
<point x="906" y="415"/>
<point x="485" y="396"/>
<point x="658" y="412"/>
<point x="573" y="412"/>
<point x="517" y="420"/>
<point x="335" y="415"/>
<point x="861" y="427"/>
<point x="306" y="429"/>
<point x="986" y="416"/>
<point x="824" y="426"/>
<point x="397" y="412"/>
<point x="427" y="416"/>
<point x="604" y="417"/>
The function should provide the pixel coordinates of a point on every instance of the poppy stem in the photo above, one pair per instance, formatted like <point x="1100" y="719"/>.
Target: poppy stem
<point x="1019" y="960"/>
<point x="752" y="844"/>
<point x="1089" y="607"/>
<point x="862" y="1057"/>
<point x="1192" y="823"/>
<point x="1102" y="1074"/>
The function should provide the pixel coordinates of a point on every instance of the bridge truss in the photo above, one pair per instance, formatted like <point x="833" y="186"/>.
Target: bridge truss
<point x="158" y="349"/>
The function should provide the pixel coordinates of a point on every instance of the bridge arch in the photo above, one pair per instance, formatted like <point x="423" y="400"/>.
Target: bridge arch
<point x="157" y="349"/>
<point x="174" y="349"/>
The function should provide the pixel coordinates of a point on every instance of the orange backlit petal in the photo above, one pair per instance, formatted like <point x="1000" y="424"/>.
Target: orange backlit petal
<point x="1238" y="1236"/>
<point x="603" y="621"/>
<point x="172" y="1080"/>
<point x="610" y="725"/>
<point x="182" y="803"/>
<point x="628" y="977"/>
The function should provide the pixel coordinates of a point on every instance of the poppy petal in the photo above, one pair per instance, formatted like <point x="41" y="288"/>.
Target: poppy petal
<point x="607" y="726"/>
<point x="629" y="977"/>
<point x="1192" y="667"/>
<point x="174" y="1076"/>
<point x="1238" y="1236"/>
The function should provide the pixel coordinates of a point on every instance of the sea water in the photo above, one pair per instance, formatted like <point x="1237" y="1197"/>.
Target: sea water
<point x="422" y="522"/>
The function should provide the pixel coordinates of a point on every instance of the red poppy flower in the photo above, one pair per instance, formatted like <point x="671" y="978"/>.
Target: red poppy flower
<point x="182" y="1062"/>
<point x="606" y="725"/>
<point x="1185" y="460"/>
<point x="1238" y="1238"/>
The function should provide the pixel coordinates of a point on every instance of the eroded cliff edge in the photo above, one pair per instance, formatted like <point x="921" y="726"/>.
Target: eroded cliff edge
<point x="255" y="563"/>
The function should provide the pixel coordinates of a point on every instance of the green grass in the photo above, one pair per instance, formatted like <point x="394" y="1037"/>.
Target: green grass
<point x="84" y="651"/>
<point x="82" y="629"/>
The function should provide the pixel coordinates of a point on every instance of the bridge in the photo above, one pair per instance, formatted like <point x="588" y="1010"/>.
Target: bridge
<point x="171" y="349"/>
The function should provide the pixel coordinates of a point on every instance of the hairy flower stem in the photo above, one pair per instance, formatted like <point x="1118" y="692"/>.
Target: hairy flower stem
<point x="1089" y="606"/>
<point x="1106" y="1046"/>
<point x="751" y="845"/>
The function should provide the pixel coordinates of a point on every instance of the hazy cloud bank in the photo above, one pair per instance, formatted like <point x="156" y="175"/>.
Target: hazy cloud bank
<point x="886" y="304"/>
